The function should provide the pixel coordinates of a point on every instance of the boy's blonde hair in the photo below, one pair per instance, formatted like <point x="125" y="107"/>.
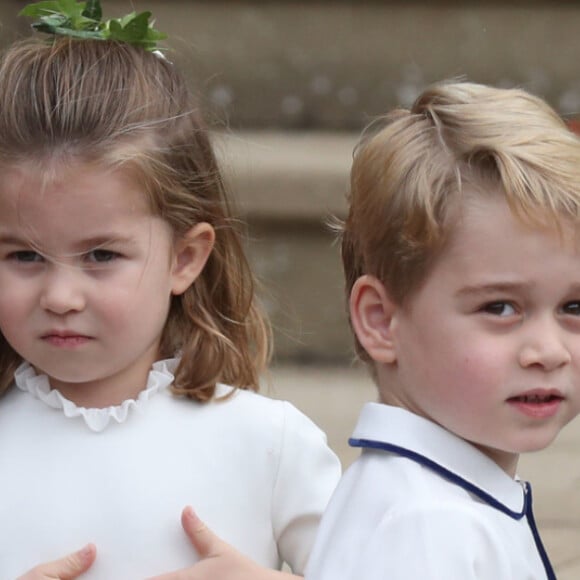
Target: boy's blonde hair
<point x="107" y="102"/>
<point x="408" y="177"/>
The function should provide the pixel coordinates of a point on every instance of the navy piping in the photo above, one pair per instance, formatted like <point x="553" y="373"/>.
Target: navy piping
<point x="532" y="522"/>
<point x="486" y="497"/>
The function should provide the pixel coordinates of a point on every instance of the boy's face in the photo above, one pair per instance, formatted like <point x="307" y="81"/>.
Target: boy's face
<point x="489" y="346"/>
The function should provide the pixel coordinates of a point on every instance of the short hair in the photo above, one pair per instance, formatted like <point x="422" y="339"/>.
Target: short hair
<point x="112" y="103"/>
<point x="410" y="173"/>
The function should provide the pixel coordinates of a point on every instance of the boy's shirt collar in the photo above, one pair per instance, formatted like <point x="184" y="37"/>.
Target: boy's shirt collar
<point x="403" y="433"/>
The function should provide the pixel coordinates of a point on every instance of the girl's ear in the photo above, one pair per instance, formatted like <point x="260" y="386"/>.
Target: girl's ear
<point x="191" y="252"/>
<point x="371" y="315"/>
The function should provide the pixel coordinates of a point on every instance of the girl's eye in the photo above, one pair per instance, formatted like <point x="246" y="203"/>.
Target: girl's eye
<point x="499" y="309"/>
<point x="101" y="256"/>
<point x="572" y="308"/>
<point x="26" y="256"/>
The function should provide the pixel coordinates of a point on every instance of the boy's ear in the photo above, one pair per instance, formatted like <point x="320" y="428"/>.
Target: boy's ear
<point x="190" y="254"/>
<point x="371" y="315"/>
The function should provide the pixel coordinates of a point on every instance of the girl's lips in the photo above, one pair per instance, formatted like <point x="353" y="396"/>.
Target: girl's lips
<point x="66" y="340"/>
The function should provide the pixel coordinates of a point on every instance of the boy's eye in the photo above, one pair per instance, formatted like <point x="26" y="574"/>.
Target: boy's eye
<point x="101" y="256"/>
<point x="26" y="256"/>
<point x="572" y="308"/>
<point x="499" y="309"/>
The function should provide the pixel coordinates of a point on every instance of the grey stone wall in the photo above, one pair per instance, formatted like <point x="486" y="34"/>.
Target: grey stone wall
<point x="334" y="64"/>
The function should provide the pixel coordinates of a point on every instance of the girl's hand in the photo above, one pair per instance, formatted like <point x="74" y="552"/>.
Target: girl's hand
<point x="67" y="568"/>
<point x="217" y="559"/>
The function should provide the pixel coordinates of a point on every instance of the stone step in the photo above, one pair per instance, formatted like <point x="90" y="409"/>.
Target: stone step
<point x="288" y="186"/>
<point x="288" y="176"/>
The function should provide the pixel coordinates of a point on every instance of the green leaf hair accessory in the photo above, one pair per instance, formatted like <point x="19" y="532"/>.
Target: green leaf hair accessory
<point x="84" y="20"/>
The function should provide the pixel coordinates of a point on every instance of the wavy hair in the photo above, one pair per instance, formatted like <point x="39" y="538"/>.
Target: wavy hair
<point x="112" y="103"/>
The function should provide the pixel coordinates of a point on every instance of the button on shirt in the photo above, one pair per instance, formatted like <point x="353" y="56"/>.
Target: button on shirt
<point x="421" y="503"/>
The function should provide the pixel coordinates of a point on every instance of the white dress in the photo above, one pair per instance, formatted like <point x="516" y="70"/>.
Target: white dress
<point x="256" y="470"/>
<point x="421" y="503"/>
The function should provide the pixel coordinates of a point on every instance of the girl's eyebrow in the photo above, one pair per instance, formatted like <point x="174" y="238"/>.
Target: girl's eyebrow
<point x="86" y="244"/>
<point x="11" y="240"/>
<point x="104" y="240"/>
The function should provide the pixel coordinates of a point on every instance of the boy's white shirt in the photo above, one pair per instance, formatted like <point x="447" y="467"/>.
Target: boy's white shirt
<point x="404" y="512"/>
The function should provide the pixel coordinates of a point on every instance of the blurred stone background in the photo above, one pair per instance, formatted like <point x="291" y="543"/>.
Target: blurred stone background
<point x="289" y="85"/>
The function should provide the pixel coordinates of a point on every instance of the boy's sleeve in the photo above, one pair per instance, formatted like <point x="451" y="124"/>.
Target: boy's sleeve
<point x="308" y="473"/>
<point x="433" y="544"/>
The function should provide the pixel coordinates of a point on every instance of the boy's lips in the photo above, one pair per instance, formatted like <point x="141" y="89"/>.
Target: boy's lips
<point x="538" y="403"/>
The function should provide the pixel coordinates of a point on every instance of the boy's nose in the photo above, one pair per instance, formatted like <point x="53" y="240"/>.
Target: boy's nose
<point x="546" y="348"/>
<point x="62" y="292"/>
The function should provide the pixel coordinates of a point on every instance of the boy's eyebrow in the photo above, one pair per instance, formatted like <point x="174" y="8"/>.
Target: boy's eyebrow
<point x="499" y="287"/>
<point x="493" y="288"/>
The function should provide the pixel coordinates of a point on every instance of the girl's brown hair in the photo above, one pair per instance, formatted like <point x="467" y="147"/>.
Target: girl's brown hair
<point x="112" y="103"/>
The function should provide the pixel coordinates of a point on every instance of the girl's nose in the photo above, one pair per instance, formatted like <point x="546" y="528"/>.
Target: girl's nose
<point x="62" y="291"/>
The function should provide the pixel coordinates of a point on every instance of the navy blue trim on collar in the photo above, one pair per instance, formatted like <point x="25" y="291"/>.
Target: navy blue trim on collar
<point x="468" y="486"/>
<point x="532" y="522"/>
<point x="443" y="471"/>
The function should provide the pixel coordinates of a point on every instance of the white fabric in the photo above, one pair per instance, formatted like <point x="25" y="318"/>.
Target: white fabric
<point x="256" y="470"/>
<point x="395" y="518"/>
<point x="160" y="377"/>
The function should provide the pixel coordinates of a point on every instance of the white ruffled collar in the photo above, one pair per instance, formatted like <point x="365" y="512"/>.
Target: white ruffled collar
<point x="160" y="377"/>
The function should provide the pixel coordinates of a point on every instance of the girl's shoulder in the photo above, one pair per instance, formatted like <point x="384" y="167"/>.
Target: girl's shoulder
<point x="251" y="407"/>
<point x="242" y="419"/>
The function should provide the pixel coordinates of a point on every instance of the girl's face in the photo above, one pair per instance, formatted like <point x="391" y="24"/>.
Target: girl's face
<point x="87" y="275"/>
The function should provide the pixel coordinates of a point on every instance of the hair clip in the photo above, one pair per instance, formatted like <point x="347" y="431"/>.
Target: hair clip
<point x="84" y="20"/>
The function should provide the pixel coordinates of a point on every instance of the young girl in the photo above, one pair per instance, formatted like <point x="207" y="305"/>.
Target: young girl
<point x="126" y="308"/>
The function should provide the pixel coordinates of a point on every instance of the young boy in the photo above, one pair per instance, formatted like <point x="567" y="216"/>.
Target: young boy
<point x="462" y="265"/>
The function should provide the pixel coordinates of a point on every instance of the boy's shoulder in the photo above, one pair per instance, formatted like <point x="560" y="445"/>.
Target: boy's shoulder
<point x="413" y="471"/>
<point x="427" y="539"/>
<point x="430" y="460"/>
<point x="435" y="515"/>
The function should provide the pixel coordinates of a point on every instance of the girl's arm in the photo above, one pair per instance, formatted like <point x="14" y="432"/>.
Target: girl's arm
<point x="67" y="568"/>
<point x="218" y="559"/>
